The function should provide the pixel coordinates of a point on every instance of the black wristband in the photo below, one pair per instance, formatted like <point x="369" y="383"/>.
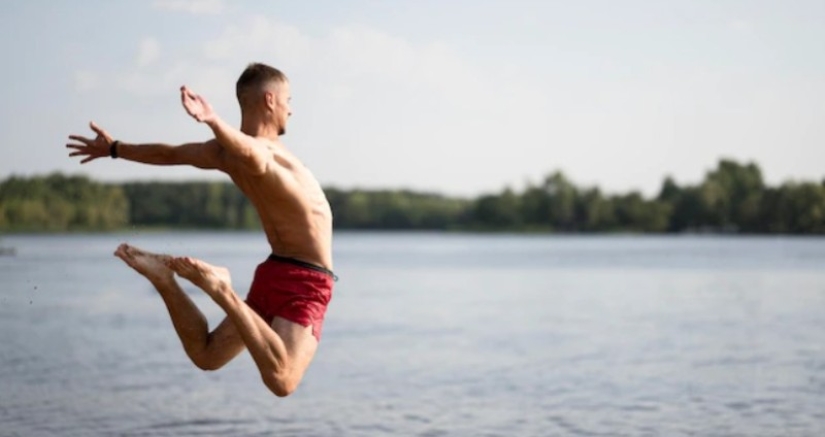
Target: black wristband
<point x="113" y="149"/>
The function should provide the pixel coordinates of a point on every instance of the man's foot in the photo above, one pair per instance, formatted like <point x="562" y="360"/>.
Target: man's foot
<point x="151" y="265"/>
<point x="211" y="279"/>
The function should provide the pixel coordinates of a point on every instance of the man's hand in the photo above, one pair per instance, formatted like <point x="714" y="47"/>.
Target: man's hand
<point x="91" y="148"/>
<point x="196" y="106"/>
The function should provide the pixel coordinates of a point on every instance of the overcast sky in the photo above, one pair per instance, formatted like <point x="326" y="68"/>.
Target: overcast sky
<point x="455" y="96"/>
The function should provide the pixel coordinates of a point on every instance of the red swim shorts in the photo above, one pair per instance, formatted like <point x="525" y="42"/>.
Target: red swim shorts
<point x="291" y="289"/>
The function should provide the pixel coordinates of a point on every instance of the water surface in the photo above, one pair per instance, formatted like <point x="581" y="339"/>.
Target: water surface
<point x="434" y="335"/>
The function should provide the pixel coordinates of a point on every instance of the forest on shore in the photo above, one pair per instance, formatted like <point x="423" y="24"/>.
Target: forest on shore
<point x="732" y="198"/>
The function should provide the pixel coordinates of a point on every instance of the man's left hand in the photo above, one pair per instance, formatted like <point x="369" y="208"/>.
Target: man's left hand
<point x="92" y="149"/>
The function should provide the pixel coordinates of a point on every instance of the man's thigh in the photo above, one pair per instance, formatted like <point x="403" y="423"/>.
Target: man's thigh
<point x="299" y="342"/>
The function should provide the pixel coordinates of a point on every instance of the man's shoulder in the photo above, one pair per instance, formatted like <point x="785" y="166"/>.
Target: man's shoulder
<point x="278" y="154"/>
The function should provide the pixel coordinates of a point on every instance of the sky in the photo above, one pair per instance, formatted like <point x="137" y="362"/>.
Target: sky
<point x="460" y="97"/>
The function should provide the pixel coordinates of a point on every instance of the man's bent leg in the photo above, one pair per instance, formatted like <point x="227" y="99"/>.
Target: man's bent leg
<point x="208" y="351"/>
<point x="300" y="345"/>
<point x="282" y="351"/>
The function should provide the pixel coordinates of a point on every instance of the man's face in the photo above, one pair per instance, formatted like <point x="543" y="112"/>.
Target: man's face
<point x="283" y="111"/>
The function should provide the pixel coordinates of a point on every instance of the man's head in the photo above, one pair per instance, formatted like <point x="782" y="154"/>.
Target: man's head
<point x="263" y="92"/>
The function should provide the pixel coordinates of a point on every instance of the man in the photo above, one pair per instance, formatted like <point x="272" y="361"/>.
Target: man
<point x="280" y="321"/>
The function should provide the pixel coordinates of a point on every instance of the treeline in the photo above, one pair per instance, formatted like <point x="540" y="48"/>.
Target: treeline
<point x="732" y="198"/>
<point x="61" y="203"/>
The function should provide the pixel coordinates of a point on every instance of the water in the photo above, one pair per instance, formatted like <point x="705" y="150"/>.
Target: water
<point x="434" y="335"/>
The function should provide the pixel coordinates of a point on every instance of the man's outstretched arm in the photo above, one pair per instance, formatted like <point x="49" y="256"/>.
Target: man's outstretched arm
<point x="202" y="155"/>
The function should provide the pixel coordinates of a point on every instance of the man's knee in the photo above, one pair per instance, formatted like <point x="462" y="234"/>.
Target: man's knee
<point x="208" y="366"/>
<point x="204" y="363"/>
<point x="280" y="384"/>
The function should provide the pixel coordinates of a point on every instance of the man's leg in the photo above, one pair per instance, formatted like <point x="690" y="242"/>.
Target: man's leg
<point x="281" y="351"/>
<point x="209" y="351"/>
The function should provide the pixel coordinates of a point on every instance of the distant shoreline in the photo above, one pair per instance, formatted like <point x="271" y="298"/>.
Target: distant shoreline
<point x="732" y="200"/>
<point x="351" y="231"/>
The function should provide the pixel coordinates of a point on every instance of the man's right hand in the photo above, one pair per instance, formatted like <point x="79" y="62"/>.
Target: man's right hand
<point x="91" y="148"/>
<point x="196" y="105"/>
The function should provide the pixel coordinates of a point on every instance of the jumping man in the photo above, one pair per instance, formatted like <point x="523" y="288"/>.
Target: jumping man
<point x="280" y="320"/>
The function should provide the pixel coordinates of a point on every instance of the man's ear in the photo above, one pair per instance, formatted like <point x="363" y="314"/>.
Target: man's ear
<point x="269" y="98"/>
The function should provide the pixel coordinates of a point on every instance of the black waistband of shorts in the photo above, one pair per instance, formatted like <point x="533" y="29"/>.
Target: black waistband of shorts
<point x="304" y="264"/>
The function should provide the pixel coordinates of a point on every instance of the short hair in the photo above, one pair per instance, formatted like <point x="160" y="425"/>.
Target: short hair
<point x="256" y="76"/>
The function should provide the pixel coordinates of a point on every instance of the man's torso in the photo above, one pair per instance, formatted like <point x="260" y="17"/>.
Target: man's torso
<point x="291" y="205"/>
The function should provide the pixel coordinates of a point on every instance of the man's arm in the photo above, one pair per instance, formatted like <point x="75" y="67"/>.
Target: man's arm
<point x="247" y="149"/>
<point x="202" y="155"/>
<point x="205" y="155"/>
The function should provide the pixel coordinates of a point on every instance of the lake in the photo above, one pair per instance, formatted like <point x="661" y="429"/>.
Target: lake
<point x="434" y="334"/>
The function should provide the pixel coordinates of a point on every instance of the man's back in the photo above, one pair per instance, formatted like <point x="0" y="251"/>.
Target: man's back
<point x="291" y="205"/>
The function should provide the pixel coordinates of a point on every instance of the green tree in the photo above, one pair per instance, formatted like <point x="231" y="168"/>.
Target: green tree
<point x="731" y="194"/>
<point x="670" y="191"/>
<point x="498" y="211"/>
<point x="561" y="196"/>
<point x="797" y="208"/>
<point x="535" y="208"/>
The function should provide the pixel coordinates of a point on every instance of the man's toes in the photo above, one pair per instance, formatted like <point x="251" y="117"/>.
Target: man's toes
<point x="121" y="250"/>
<point x="179" y="266"/>
<point x="124" y="254"/>
<point x="134" y="251"/>
<point x="185" y="265"/>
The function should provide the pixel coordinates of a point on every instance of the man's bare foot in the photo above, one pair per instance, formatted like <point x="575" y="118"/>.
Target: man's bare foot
<point x="151" y="265"/>
<point x="211" y="279"/>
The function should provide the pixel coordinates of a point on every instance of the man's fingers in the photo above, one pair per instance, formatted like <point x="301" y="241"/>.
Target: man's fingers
<point x="186" y="98"/>
<point x="78" y="154"/>
<point x="97" y="128"/>
<point x="75" y="146"/>
<point x="82" y="139"/>
<point x="189" y="93"/>
<point x="90" y="158"/>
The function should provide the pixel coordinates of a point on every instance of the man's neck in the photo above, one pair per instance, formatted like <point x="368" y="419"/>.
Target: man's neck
<point x="259" y="128"/>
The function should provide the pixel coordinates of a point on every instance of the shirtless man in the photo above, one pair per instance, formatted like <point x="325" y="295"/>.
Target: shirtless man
<point x="280" y="320"/>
